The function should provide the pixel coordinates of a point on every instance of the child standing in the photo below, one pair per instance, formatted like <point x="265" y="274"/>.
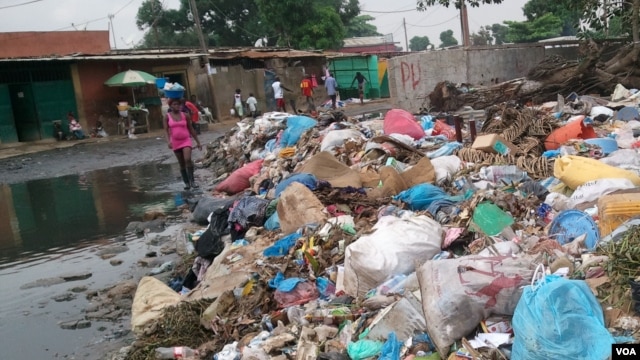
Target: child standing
<point x="252" y="104"/>
<point x="237" y="103"/>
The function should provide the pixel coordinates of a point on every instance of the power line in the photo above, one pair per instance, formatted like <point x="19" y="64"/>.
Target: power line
<point x="21" y="4"/>
<point x="433" y="25"/>
<point x="389" y="12"/>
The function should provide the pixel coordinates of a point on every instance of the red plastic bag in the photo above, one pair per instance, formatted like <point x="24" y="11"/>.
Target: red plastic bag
<point x="301" y="294"/>
<point x="239" y="179"/>
<point x="398" y="121"/>
<point x="442" y="128"/>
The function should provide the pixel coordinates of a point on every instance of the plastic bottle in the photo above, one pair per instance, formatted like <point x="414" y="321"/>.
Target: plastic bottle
<point x="506" y="173"/>
<point x="177" y="352"/>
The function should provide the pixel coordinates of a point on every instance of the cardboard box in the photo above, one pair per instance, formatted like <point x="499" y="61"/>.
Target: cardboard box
<point x="495" y="144"/>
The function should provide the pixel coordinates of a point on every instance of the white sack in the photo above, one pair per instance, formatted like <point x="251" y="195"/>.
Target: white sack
<point x="339" y="137"/>
<point x="457" y="294"/>
<point x="593" y="190"/>
<point x="393" y="248"/>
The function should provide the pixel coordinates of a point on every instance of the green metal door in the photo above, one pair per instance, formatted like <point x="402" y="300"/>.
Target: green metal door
<point x="24" y="110"/>
<point x="54" y="99"/>
<point x="7" y="125"/>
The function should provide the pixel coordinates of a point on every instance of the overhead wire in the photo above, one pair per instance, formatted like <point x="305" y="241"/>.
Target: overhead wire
<point x="21" y="4"/>
<point x="433" y="25"/>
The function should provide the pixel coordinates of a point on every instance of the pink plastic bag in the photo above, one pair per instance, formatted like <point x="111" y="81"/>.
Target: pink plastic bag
<point x="239" y="179"/>
<point x="398" y="121"/>
<point x="301" y="294"/>
<point x="442" y="128"/>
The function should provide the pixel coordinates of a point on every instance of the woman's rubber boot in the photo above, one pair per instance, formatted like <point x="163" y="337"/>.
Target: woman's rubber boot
<point x="192" y="180"/>
<point x="185" y="178"/>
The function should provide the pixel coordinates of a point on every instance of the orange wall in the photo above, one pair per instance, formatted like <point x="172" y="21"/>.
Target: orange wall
<point x="33" y="43"/>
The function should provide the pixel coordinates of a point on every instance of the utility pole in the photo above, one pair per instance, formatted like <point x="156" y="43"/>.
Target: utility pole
<point x="464" y="24"/>
<point x="113" y="32"/>
<point x="205" y="54"/>
<point x="406" y="42"/>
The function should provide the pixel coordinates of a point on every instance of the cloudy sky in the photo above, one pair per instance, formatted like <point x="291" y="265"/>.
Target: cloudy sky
<point x="50" y="15"/>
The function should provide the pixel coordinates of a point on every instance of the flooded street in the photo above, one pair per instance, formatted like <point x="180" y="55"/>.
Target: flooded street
<point x="55" y="227"/>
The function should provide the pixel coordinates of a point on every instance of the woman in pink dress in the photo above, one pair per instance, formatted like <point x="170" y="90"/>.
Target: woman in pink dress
<point x="179" y="133"/>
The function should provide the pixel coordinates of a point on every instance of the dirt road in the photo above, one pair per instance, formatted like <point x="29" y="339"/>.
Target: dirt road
<point x="48" y="160"/>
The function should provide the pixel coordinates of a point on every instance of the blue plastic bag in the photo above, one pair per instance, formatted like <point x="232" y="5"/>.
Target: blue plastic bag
<point x="282" y="246"/>
<point x="296" y="126"/>
<point x="427" y="122"/>
<point x="305" y="179"/>
<point x="559" y="319"/>
<point x="273" y="222"/>
<point x="363" y="349"/>
<point x="446" y="149"/>
<point x="421" y="196"/>
<point x="391" y="348"/>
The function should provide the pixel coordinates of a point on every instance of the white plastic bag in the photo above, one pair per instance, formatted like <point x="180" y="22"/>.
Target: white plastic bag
<point x="395" y="246"/>
<point x="229" y="352"/>
<point x="446" y="167"/>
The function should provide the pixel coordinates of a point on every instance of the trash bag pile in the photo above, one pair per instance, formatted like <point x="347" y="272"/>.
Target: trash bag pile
<point x="390" y="238"/>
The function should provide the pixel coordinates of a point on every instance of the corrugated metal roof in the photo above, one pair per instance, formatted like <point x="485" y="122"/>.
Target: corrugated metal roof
<point x="367" y="41"/>
<point x="178" y="54"/>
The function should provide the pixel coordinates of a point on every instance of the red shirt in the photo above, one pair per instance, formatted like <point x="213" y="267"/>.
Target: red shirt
<point x="194" y="111"/>
<point x="307" y="87"/>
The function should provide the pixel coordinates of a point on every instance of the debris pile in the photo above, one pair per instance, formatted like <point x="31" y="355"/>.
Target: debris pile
<point x="412" y="237"/>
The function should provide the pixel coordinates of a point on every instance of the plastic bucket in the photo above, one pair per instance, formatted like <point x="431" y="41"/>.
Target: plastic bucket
<point x="174" y="94"/>
<point x="569" y="224"/>
<point x="160" y="82"/>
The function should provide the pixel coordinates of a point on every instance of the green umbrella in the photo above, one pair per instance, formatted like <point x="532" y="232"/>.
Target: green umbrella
<point x="131" y="78"/>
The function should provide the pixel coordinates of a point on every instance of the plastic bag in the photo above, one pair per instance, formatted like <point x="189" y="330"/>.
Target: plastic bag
<point x="421" y="196"/>
<point x="391" y="348"/>
<point x="282" y="246"/>
<point x="457" y="294"/>
<point x="559" y="319"/>
<point x="229" y="352"/>
<point x="273" y="222"/>
<point x="296" y="126"/>
<point x="302" y="293"/>
<point x="239" y="179"/>
<point x="339" y="137"/>
<point x="398" y="121"/>
<point x="307" y="180"/>
<point x="363" y="349"/>
<point x="442" y="128"/>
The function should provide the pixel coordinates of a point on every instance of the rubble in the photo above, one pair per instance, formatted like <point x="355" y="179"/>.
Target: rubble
<point x="410" y="236"/>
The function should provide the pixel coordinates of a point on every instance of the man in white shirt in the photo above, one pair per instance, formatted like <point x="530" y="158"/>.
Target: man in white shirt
<point x="252" y="103"/>
<point x="279" y="95"/>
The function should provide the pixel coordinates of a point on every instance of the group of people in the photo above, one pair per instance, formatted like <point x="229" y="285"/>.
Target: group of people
<point x="307" y="86"/>
<point x="75" y="129"/>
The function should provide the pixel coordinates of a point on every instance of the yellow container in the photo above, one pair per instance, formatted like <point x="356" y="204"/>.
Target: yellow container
<point x="615" y="209"/>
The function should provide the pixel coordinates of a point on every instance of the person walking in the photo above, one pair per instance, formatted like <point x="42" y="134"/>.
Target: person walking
<point x="252" y="104"/>
<point x="278" y="94"/>
<point x="179" y="131"/>
<point x="332" y="89"/>
<point x="361" y="80"/>
<point x="307" y="91"/>
<point x="238" y="105"/>
<point x="194" y="114"/>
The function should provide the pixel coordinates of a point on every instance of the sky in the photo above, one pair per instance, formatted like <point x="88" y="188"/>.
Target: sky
<point x="70" y="15"/>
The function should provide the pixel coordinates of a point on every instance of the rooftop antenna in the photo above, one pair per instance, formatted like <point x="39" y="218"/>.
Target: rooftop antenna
<point x="113" y="31"/>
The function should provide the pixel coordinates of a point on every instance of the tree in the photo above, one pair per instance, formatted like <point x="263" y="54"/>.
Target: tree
<point x="359" y="26"/>
<point x="570" y="16"/>
<point x="482" y="37"/>
<point x="419" y="43"/>
<point x="544" y="27"/>
<point x="447" y="39"/>
<point x="423" y="4"/>
<point x="302" y="24"/>
<point x="499" y="33"/>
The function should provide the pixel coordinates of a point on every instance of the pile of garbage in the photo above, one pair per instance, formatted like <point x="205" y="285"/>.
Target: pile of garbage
<point x="411" y="237"/>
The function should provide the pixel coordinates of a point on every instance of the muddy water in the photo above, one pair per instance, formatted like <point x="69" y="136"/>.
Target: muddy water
<point x="54" y="227"/>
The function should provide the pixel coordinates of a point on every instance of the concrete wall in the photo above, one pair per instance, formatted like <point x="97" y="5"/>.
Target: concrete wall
<point x="227" y="79"/>
<point x="413" y="77"/>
